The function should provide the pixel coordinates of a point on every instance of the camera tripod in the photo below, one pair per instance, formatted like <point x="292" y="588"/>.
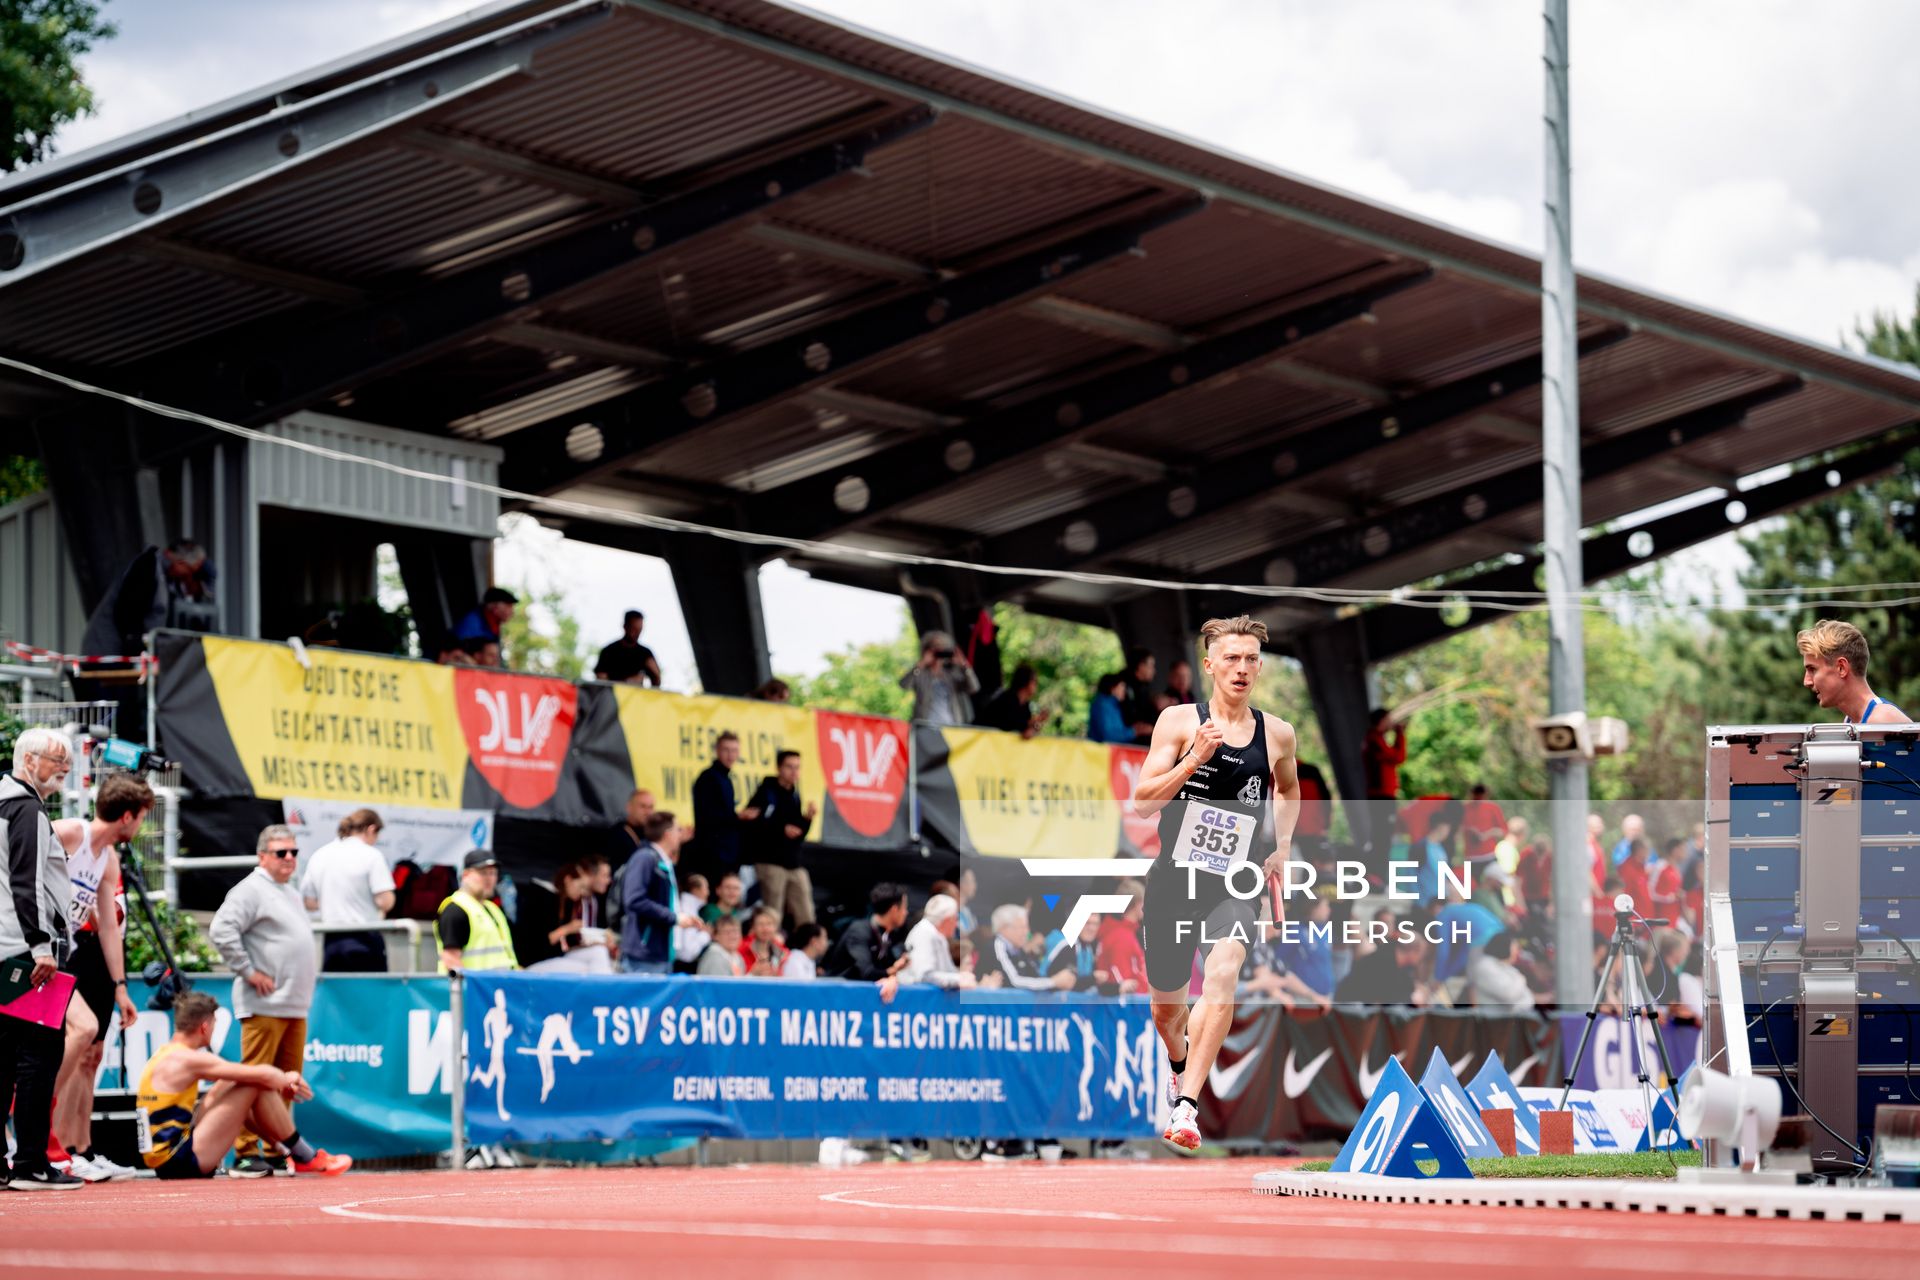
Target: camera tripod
<point x="1637" y="1000"/>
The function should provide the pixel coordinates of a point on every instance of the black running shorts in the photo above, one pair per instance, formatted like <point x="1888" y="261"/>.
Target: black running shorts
<point x="1175" y="920"/>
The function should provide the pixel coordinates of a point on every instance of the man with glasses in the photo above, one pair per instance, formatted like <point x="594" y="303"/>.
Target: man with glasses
<point x="264" y="935"/>
<point x="33" y="938"/>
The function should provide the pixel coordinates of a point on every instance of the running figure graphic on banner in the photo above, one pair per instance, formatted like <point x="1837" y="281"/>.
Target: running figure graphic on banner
<point x="1222" y="777"/>
<point x="495" y="1027"/>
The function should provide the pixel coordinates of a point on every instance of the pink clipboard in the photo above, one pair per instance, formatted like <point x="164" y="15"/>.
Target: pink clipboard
<point x="45" y="1005"/>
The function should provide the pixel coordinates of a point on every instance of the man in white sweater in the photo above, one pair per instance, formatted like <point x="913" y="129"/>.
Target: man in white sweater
<point x="929" y="957"/>
<point x="265" y="937"/>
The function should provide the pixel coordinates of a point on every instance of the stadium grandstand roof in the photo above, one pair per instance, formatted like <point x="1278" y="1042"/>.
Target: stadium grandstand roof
<point x="734" y="262"/>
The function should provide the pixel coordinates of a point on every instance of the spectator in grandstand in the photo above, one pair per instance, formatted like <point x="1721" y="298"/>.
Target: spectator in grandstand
<point x="1636" y="876"/>
<point x="1485" y="826"/>
<point x="1382" y="753"/>
<point x="472" y="930"/>
<point x="1309" y="956"/>
<point x="1667" y="881"/>
<point x="1462" y="931"/>
<point x="1017" y="965"/>
<point x="761" y="950"/>
<point x="620" y="843"/>
<point x="870" y="949"/>
<point x="965" y="891"/>
<point x="1430" y="854"/>
<point x="1596" y="850"/>
<point x="722" y="959"/>
<point x="484" y="622"/>
<point x="1179" y="689"/>
<point x="717" y="818"/>
<point x="189" y="1135"/>
<point x="1139" y="710"/>
<point x="689" y="940"/>
<point x="262" y="933"/>
<point x="1492" y="980"/>
<point x="1632" y="827"/>
<point x="626" y="660"/>
<point x="929" y="958"/>
<point x="650" y="900"/>
<point x="1120" y="951"/>
<point x="1316" y="813"/>
<point x="483" y="651"/>
<point x="1534" y="879"/>
<point x="96" y="927"/>
<point x="1080" y="957"/>
<point x="942" y="682"/>
<point x="728" y="902"/>
<point x="1106" y="716"/>
<point x="1264" y="975"/>
<point x="450" y="651"/>
<point x="773" y="691"/>
<point x="1513" y="842"/>
<point x="554" y="930"/>
<point x="1390" y="972"/>
<point x="348" y="883"/>
<point x="774" y="838"/>
<point x="33" y="929"/>
<point x="1011" y="707"/>
<point x="1674" y="979"/>
<point x="805" y="946"/>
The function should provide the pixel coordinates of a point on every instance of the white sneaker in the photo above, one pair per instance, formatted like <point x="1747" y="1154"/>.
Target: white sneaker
<point x="88" y="1170"/>
<point x="113" y="1170"/>
<point x="479" y="1158"/>
<point x="1183" y="1128"/>
<point x="503" y="1158"/>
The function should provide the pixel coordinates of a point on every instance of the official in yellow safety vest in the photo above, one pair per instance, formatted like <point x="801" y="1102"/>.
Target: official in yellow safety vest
<point x="471" y="930"/>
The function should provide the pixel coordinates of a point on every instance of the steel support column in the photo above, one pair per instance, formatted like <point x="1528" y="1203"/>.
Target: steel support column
<point x="718" y="583"/>
<point x="1334" y="658"/>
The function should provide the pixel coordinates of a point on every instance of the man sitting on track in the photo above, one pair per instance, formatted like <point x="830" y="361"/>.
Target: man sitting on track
<point x="1212" y="774"/>
<point x="185" y="1136"/>
<point x="1834" y="665"/>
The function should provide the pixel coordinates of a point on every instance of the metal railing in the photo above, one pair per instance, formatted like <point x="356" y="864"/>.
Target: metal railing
<point x="414" y="930"/>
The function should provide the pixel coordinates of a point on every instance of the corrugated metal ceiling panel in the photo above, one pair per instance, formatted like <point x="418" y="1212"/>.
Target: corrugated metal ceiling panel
<point x="155" y="306"/>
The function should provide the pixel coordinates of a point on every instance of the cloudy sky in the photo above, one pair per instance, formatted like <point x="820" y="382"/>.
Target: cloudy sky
<point x="1750" y="156"/>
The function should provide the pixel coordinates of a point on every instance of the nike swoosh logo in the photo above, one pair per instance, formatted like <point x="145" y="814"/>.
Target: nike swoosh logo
<point x="1369" y="1077"/>
<point x="1519" y="1073"/>
<point x="1295" y="1083"/>
<point x="1461" y="1064"/>
<point x="1225" y="1080"/>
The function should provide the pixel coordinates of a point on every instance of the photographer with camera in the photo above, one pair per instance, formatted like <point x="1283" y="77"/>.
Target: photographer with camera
<point x="942" y="683"/>
<point x="33" y="942"/>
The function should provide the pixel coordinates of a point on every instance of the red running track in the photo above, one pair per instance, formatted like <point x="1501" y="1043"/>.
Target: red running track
<point x="1113" y="1218"/>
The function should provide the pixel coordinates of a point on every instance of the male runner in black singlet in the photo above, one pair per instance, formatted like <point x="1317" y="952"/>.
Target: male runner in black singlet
<point x="1214" y="774"/>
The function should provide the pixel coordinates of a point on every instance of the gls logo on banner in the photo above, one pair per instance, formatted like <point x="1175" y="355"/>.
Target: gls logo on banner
<point x="518" y="729"/>
<point x="865" y="761"/>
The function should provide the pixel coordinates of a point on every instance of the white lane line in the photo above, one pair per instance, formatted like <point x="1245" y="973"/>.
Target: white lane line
<point x="1091" y="1215"/>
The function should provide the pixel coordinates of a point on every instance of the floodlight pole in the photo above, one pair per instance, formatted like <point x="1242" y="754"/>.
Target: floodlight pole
<point x="1560" y="453"/>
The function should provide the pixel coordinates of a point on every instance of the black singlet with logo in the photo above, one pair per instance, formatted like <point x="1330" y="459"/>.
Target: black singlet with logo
<point x="1237" y="779"/>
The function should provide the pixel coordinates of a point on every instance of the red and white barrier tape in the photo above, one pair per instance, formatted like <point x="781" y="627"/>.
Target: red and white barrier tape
<point x="33" y="653"/>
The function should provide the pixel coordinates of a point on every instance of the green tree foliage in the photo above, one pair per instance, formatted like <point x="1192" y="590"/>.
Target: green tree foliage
<point x="20" y="477"/>
<point x="192" y="949"/>
<point x="1067" y="656"/>
<point x="41" y="44"/>
<point x="1866" y="534"/>
<point x="543" y="636"/>
<point x="1495" y="685"/>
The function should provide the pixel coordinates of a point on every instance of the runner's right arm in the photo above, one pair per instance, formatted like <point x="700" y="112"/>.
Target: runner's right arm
<point x="1178" y="750"/>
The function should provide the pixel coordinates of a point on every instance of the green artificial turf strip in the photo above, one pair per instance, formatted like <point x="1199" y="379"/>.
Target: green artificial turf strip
<point x="1635" y="1164"/>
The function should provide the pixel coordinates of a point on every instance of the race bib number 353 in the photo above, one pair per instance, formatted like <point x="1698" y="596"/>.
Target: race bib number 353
<point x="1212" y="839"/>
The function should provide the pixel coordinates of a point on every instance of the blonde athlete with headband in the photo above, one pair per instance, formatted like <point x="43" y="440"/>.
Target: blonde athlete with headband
<point x="1222" y="777"/>
<point x="1834" y="666"/>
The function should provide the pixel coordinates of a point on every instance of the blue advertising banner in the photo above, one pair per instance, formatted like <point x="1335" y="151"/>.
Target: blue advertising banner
<point x="1609" y="1063"/>
<point x="379" y="1056"/>
<point x="564" y="1058"/>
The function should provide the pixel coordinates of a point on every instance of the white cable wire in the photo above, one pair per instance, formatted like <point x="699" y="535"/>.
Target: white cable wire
<point x="1440" y="598"/>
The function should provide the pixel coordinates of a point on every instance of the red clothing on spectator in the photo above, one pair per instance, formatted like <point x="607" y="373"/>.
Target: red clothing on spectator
<point x="1486" y="825"/>
<point x="779" y="954"/>
<point x="1601" y="864"/>
<point x="1633" y="880"/>
<point x="1666" y="893"/>
<point x="1381" y="761"/>
<point x="1535" y="874"/>
<point x="1316" y="807"/>
<point x="1120" y="953"/>
<point x="1419" y="815"/>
